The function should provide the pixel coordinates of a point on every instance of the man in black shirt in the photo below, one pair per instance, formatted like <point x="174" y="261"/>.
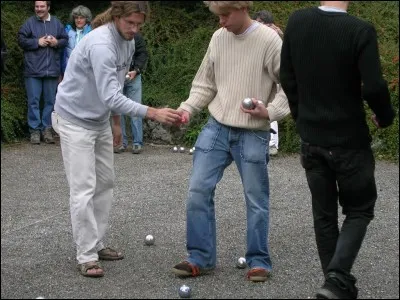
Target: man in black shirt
<point x="329" y="65"/>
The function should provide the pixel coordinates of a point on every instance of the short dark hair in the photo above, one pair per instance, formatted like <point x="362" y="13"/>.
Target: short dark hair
<point x="265" y="16"/>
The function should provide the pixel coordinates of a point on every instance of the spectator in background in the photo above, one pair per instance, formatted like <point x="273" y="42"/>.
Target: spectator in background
<point x="330" y="64"/>
<point x="133" y="90"/>
<point x="265" y="17"/>
<point x="43" y="38"/>
<point x="78" y="27"/>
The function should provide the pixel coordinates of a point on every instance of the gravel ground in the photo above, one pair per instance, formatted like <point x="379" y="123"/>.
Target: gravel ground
<point x="38" y="256"/>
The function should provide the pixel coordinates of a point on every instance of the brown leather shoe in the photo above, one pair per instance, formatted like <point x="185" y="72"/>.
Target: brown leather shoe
<point x="186" y="269"/>
<point x="258" y="274"/>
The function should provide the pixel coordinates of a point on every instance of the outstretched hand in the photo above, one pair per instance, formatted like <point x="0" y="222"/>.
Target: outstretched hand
<point x="167" y="116"/>
<point x="185" y="116"/>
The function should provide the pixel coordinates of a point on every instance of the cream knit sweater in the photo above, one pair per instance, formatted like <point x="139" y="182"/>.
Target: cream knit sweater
<point x="237" y="67"/>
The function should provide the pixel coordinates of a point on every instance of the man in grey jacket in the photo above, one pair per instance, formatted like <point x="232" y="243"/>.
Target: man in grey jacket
<point x="91" y="89"/>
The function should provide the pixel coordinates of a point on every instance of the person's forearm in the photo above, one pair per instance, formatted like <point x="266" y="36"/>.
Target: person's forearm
<point x="375" y="89"/>
<point x="151" y="113"/>
<point x="116" y="120"/>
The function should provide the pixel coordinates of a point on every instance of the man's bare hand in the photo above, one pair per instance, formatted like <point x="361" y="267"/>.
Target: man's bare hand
<point x="167" y="116"/>
<point x="53" y="42"/>
<point x="185" y="117"/>
<point x="131" y="75"/>
<point x="43" y="42"/>
<point x="259" y="110"/>
<point x="117" y="135"/>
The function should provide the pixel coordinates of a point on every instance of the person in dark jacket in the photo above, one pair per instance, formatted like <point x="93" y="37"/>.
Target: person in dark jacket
<point x="3" y="52"/>
<point x="43" y="38"/>
<point x="329" y="66"/>
<point x="133" y="90"/>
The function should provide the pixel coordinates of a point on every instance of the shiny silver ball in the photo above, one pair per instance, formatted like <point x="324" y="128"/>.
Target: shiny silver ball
<point x="181" y="149"/>
<point x="175" y="149"/>
<point x="191" y="151"/>
<point x="149" y="240"/>
<point x="248" y="104"/>
<point x="241" y="263"/>
<point x="184" y="291"/>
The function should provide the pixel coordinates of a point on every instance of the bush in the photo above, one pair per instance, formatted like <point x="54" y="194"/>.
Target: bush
<point x="177" y="37"/>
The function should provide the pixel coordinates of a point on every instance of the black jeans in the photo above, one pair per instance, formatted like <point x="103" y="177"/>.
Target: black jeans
<point x="346" y="175"/>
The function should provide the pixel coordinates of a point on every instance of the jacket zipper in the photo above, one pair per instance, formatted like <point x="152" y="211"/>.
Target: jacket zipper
<point x="47" y="49"/>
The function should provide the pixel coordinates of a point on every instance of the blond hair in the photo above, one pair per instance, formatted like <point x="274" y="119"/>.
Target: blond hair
<point x="223" y="6"/>
<point x="121" y="9"/>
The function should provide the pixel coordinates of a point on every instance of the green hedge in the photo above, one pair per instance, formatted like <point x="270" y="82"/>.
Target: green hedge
<point x="177" y="36"/>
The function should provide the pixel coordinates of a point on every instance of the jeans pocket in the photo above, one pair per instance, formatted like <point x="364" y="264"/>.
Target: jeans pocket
<point x="208" y="136"/>
<point x="254" y="146"/>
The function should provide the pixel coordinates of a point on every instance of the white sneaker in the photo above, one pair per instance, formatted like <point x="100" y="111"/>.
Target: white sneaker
<point x="137" y="149"/>
<point x="273" y="150"/>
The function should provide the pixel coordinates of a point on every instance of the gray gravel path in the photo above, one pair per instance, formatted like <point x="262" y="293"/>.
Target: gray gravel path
<point x="38" y="258"/>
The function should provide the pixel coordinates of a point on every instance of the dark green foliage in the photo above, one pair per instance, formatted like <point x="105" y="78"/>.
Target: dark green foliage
<point x="177" y="36"/>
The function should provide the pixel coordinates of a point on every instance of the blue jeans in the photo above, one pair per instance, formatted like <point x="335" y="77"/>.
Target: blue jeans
<point x="133" y="90"/>
<point x="35" y="86"/>
<point x="216" y="147"/>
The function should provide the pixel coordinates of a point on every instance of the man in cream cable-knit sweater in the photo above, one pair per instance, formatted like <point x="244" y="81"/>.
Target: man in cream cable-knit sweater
<point x="242" y="60"/>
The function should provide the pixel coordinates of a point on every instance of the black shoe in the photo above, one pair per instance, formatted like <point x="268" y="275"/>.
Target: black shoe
<point x="334" y="288"/>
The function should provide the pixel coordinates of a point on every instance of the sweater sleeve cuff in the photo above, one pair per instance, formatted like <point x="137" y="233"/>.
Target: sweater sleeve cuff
<point x="272" y="113"/>
<point x="142" y="111"/>
<point x="187" y="107"/>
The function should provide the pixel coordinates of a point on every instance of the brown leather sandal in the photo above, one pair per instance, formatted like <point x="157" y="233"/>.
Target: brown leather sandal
<point x="110" y="254"/>
<point x="85" y="267"/>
